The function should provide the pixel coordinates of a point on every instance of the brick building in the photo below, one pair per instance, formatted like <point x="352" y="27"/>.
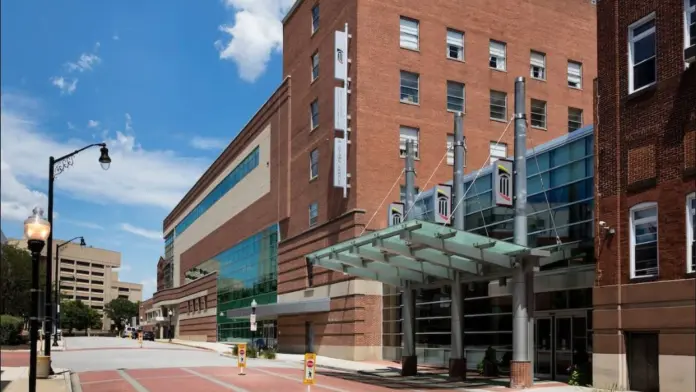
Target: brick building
<point x="269" y="199"/>
<point x="644" y="318"/>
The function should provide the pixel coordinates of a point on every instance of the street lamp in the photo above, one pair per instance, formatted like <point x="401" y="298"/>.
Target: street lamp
<point x="56" y="279"/>
<point x="170" y="325"/>
<point x="55" y="168"/>
<point x="252" y="322"/>
<point x="36" y="230"/>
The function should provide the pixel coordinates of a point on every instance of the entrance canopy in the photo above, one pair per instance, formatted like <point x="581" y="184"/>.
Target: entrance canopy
<point x="423" y="252"/>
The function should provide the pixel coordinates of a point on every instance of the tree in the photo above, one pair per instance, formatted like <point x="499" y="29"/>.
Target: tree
<point x="77" y="315"/>
<point x="15" y="285"/>
<point x="120" y="311"/>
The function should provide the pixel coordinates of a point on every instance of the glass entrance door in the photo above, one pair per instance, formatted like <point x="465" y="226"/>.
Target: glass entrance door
<point x="560" y="339"/>
<point x="544" y="347"/>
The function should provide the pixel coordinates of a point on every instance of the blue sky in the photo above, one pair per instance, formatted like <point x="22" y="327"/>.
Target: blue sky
<point x="166" y="84"/>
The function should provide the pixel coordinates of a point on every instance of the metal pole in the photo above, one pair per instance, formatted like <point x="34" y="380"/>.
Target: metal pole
<point x="35" y="248"/>
<point x="520" y="351"/>
<point x="55" y="296"/>
<point x="49" y="260"/>
<point x="409" y="360"/>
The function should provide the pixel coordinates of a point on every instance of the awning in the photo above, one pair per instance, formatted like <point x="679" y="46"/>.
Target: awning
<point x="270" y="311"/>
<point x="422" y="252"/>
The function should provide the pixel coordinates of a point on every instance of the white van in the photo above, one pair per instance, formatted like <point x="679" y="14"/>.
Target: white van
<point x="129" y="332"/>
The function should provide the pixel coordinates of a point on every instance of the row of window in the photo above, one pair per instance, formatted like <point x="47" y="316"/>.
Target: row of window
<point x="642" y="47"/>
<point x="644" y="238"/>
<point x="197" y="304"/>
<point x="497" y="51"/>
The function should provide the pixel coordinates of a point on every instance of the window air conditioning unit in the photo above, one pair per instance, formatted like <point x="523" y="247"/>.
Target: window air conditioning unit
<point x="690" y="54"/>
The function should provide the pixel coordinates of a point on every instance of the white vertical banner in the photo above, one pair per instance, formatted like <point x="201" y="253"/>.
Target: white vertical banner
<point x="341" y="56"/>
<point x="340" y="163"/>
<point x="340" y="109"/>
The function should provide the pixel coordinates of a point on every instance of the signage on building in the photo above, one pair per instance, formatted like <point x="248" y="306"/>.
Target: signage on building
<point x="310" y="368"/>
<point x="395" y="214"/>
<point x="503" y="183"/>
<point x="340" y="163"/>
<point x="341" y="117"/>
<point x="441" y="203"/>
<point x="340" y="109"/>
<point x="341" y="56"/>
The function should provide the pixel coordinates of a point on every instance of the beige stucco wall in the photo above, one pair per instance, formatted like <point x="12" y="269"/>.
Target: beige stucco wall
<point x="255" y="185"/>
<point x="676" y="372"/>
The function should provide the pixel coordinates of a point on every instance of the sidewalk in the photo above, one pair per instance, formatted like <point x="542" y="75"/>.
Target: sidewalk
<point x="18" y="379"/>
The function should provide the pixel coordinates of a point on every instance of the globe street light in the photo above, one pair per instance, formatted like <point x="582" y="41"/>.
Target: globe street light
<point x="56" y="279"/>
<point x="36" y="230"/>
<point x="55" y="168"/>
<point x="170" y="325"/>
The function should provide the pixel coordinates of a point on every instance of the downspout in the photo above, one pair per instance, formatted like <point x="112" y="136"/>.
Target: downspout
<point x="619" y="232"/>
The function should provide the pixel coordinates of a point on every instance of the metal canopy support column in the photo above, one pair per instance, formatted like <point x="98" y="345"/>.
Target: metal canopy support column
<point x="409" y="359"/>
<point x="520" y="366"/>
<point x="457" y="363"/>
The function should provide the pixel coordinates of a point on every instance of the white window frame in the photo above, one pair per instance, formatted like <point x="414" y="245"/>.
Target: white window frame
<point x="497" y="151"/>
<point x="450" y="149"/>
<point x="545" y="114"/>
<point x="415" y="101"/>
<point x="454" y="40"/>
<point x="498" y="54"/>
<point x="574" y="76"/>
<point x="537" y="60"/>
<point x="490" y="104"/>
<point x="313" y="164"/>
<point x="312" y="123"/>
<point x="315" y="18"/>
<point x="690" y="230"/>
<point x="632" y="235"/>
<point x="577" y="110"/>
<point x="313" y="214"/>
<point x="408" y="133"/>
<point x="689" y="10"/>
<point x="408" y="33"/>
<point x="631" y="41"/>
<point x="463" y="97"/>
<point x="315" y="66"/>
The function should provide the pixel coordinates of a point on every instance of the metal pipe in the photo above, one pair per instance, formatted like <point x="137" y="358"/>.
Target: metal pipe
<point x="48" y="327"/>
<point x="519" y="298"/>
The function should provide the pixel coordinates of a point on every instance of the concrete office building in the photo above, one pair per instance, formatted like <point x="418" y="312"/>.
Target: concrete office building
<point x="645" y="318"/>
<point x="88" y="274"/>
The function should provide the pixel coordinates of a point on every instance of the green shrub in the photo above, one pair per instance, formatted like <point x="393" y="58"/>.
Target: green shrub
<point x="10" y="330"/>
<point x="269" y="354"/>
<point x="251" y="352"/>
<point x="235" y="350"/>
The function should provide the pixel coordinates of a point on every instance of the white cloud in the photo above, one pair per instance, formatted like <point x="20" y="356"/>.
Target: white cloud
<point x="71" y="126"/>
<point x="86" y="62"/>
<point x="92" y="124"/>
<point x="129" y="123"/>
<point x="137" y="176"/>
<point x="65" y="85"/>
<point x="145" y="233"/>
<point x="257" y="32"/>
<point x="88" y="225"/>
<point x="208" y="143"/>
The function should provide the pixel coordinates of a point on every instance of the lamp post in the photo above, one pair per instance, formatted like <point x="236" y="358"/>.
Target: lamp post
<point x="56" y="279"/>
<point x="252" y="322"/>
<point x="170" y="325"/>
<point x="36" y="230"/>
<point x="55" y="168"/>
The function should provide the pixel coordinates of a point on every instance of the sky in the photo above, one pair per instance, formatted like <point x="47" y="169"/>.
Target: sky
<point x="167" y="85"/>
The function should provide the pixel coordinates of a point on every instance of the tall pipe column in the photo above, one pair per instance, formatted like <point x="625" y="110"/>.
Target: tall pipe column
<point x="457" y="363"/>
<point x="520" y="372"/>
<point x="409" y="359"/>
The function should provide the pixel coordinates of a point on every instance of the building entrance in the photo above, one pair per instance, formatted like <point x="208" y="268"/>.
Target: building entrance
<point x="560" y="343"/>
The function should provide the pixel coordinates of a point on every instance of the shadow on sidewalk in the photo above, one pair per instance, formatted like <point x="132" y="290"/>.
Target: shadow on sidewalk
<point x="433" y="380"/>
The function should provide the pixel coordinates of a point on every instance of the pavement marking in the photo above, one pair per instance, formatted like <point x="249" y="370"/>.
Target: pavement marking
<point x="135" y="384"/>
<point x="300" y="380"/>
<point x="215" y="380"/>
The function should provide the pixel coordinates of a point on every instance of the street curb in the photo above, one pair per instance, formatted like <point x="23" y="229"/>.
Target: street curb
<point x="73" y="380"/>
<point x="190" y="346"/>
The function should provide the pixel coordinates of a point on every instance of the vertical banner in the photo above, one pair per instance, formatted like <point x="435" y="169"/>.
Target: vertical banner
<point x="340" y="109"/>
<point x="310" y="369"/>
<point x="341" y="56"/>
<point x="502" y="182"/>
<point x="340" y="163"/>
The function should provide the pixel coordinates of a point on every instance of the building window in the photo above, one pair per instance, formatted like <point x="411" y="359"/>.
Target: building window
<point x="408" y="33"/>
<point x="455" y="96"/>
<point x="691" y="232"/>
<point x="538" y="113"/>
<point x="642" y="70"/>
<point x="643" y="226"/>
<point x="313" y="214"/>
<point x="455" y="45"/>
<point x="689" y="23"/>
<point x="450" y="150"/>
<point x="498" y="105"/>
<point x="314" y="114"/>
<point x="315" y="66"/>
<point x="408" y="133"/>
<point x="409" y="87"/>
<point x="497" y="151"/>
<point x="310" y="272"/>
<point x="315" y="18"/>
<point x="574" y="119"/>
<point x="537" y="61"/>
<point x="574" y="74"/>
<point x="497" y="49"/>
<point x="314" y="164"/>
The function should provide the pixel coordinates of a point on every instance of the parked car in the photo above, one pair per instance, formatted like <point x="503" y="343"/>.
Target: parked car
<point x="149" y="335"/>
<point x="129" y="332"/>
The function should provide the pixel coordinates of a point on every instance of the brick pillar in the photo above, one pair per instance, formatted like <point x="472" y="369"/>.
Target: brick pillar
<point x="520" y="374"/>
